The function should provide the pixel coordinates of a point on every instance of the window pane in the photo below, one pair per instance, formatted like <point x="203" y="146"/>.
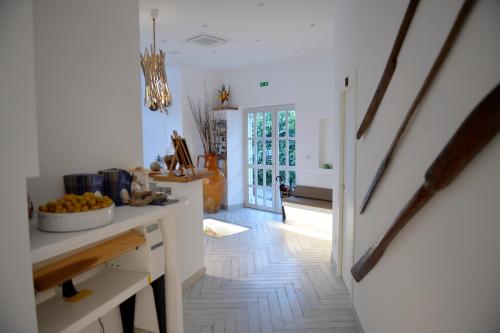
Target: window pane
<point x="251" y="157"/>
<point x="260" y="177"/>
<point x="260" y="152"/>
<point x="251" y="195"/>
<point x="291" y="152"/>
<point x="282" y="123"/>
<point x="260" y="196"/>
<point x="250" y="125"/>
<point x="269" y="124"/>
<point x="269" y="178"/>
<point x="291" y="123"/>
<point x="291" y="175"/>
<point x="269" y="152"/>
<point x="250" y="176"/>
<point x="269" y="198"/>
<point x="260" y="124"/>
<point x="283" y="176"/>
<point x="282" y="152"/>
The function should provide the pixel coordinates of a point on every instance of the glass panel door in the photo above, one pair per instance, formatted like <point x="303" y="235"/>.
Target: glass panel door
<point x="269" y="150"/>
<point x="286" y="117"/>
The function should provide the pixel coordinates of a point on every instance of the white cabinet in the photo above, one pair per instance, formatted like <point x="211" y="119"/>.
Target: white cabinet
<point x="234" y="158"/>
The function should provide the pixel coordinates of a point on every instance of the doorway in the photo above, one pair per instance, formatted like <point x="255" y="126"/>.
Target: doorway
<point x="270" y="151"/>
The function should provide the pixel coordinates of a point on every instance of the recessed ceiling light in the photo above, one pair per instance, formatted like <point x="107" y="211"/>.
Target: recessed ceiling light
<point x="256" y="40"/>
<point x="205" y="26"/>
<point x="312" y="25"/>
<point x="214" y="52"/>
<point x="261" y="4"/>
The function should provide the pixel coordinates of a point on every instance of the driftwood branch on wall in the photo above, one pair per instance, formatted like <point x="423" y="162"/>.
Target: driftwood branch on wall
<point x="389" y="70"/>
<point x="443" y="53"/>
<point x="476" y="131"/>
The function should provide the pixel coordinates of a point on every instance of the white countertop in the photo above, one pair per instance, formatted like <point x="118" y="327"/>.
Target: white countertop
<point x="46" y="245"/>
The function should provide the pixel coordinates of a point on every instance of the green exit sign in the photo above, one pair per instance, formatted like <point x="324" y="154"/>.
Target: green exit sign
<point x="264" y="83"/>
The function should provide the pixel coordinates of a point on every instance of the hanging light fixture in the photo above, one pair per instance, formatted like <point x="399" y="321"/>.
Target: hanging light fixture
<point x="156" y="93"/>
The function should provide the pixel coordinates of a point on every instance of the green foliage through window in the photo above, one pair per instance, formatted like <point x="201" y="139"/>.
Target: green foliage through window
<point x="291" y="123"/>
<point x="260" y="124"/>
<point x="291" y="152"/>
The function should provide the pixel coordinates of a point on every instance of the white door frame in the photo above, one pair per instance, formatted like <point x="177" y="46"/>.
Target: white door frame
<point x="256" y="110"/>
<point x="274" y="109"/>
<point x="349" y="83"/>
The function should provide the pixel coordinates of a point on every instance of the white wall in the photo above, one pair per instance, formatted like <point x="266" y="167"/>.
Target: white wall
<point x="235" y="175"/>
<point x="194" y="81"/>
<point x="88" y="89"/>
<point x="87" y="93"/>
<point x="307" y="83"/>
<point x="19" y="159"/>
<point x="157" y="127"/>
<point x="441" y="273"/>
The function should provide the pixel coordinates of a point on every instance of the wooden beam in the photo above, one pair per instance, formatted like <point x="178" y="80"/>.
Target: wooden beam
<point x="67" y="268"/>
<point x="443" y="53"/>
<point x="475" y="132"/>
<point x="389" y="70"/>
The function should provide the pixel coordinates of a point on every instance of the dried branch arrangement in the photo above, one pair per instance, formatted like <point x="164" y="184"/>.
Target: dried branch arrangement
<point x="205" y="120"/>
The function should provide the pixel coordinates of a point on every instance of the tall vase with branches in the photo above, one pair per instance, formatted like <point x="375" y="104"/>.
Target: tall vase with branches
<point x="214" y="187"/>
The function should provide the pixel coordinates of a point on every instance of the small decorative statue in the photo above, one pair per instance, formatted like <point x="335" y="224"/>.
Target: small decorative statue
<point x="224" y="95"/>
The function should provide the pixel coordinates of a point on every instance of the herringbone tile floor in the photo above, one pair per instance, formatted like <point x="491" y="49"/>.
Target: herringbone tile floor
<point x="268" y="279"/>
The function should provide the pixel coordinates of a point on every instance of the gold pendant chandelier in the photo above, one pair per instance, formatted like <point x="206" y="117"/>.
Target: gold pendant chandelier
<point x="156" y="93"/>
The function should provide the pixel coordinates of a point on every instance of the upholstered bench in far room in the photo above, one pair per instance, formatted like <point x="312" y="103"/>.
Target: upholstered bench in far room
<point x="310" y="208"/>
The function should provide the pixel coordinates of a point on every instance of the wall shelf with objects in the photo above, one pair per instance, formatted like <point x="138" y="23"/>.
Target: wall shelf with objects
<point x="226" y="108"/>
<point x="109" y="289"/>
<point x="229" y="145"/>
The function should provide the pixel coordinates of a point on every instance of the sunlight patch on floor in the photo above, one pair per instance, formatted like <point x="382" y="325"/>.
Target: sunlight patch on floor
<point x="305" y="231"/>
<point x="218" y="229"/>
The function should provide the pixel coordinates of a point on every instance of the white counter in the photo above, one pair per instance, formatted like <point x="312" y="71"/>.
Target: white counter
<point x="190" y="227"/>
<point x="46" y="245"/>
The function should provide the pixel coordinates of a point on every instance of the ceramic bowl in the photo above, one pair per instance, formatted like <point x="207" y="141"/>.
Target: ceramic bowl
<point x="68" y="222"/>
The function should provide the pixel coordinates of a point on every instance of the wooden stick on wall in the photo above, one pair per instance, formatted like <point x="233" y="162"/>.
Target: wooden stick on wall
<point x="475" y="132"/>
<point x="389" y="70"/>
<point x="443" y="53"/>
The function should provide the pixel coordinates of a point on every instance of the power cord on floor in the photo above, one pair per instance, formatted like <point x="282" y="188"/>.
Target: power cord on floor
<point x="102" y="326"/>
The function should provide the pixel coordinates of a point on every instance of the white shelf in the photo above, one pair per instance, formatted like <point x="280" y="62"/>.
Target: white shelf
<point x="46" y="245"/>
<point x="109" y="288"/>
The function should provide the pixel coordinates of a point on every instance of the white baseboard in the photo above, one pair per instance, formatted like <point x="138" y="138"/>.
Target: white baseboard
<point x="232" y="207"/>
<point x="191" y="281"/>
<point x="358" y="322"/>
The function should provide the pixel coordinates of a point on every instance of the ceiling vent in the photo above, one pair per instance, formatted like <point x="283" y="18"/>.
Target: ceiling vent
<point x="206" y="40"/>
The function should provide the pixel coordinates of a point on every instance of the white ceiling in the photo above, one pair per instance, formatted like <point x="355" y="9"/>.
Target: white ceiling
<point x="261" y="31"/>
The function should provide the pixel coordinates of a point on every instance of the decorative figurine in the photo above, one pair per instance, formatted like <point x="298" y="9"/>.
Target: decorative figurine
<point x="224" y="95"/>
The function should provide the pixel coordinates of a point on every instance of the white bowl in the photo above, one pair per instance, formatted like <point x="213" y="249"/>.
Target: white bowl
<point x="68" y="222"/>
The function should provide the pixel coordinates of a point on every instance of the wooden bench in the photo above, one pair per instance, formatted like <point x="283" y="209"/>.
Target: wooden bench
<point x="310" y="196"/>
<point x="310" y="208"/>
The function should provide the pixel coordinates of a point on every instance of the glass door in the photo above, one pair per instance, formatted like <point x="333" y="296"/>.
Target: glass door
<point x="287" y="154"/>
<point x="269" y="151"/>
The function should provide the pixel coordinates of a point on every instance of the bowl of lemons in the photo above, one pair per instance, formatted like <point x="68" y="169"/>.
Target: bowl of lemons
<point x="76" y="213"/>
